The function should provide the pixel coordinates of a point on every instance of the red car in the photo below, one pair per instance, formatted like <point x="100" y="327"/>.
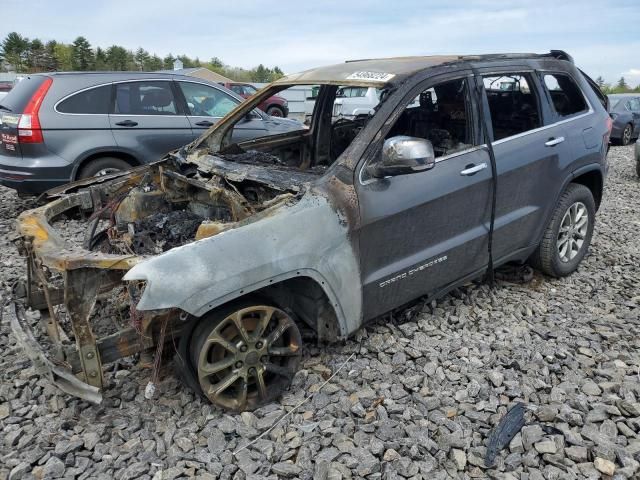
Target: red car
<point x="275" y="106"/>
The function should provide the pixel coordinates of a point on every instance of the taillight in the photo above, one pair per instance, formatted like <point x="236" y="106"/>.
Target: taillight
<point x="607" y="136"/>
<point x="29" y="130"/>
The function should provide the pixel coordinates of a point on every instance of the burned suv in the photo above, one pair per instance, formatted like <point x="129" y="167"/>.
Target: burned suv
<point x="239" y="248"/>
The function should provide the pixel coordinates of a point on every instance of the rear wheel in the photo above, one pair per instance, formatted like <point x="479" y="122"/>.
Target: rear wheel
<point x="568" y="235"/>
<point x="625" y="139"/>
<point x="275" y="111"/>
<point x="245" y="355"/>
<point x="103" y="166"/>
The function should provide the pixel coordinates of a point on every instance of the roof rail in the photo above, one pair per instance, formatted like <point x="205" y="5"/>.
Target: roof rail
<point x="561" y="55"/>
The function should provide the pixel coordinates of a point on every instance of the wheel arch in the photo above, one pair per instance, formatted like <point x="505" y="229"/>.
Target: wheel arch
<point x="305" y="293"/>
<point x="127" y="157"/>
<point x="591" y="178"/>
<point x="274" y="105"/>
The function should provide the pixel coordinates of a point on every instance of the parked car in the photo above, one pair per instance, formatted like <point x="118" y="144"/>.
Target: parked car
<point x="354" y="101"/>
<point x="275" y="105"/>
<point x="323" y="229"/>
<point x="350" y="102"/>
<point x="625" y="111"/>
<point x="5" y="87"/>
<point x="58" y="127"/>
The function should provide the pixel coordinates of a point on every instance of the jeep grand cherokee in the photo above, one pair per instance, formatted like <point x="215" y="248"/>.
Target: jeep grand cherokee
<point x="237" y="247"/>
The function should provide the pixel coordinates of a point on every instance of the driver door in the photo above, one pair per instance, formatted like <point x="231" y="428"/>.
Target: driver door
<point x="422" y="232"/>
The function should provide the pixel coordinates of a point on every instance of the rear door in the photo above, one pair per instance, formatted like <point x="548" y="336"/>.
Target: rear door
<point x="531" y="153"/>
<point x="147" y="118"/>
<point x="206" y="105"/>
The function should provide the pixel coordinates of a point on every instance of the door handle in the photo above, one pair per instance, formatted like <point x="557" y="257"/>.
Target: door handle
<point x="204" y="123"/>
<point x="127" y="123"/>
<point x="473" y="169"/>
<point x="552" y="142"/>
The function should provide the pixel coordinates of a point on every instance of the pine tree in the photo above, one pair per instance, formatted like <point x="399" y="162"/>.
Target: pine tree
<point x="154" y="64"/>
<point x="15" y="49"/>
<point x="216" y="63"/>
<point x="141" y="58"/>
<point x="50" y="61"/>
<point x="622" y="84"/>
<point x="102" y="62"/>
<point x="168" y="62"/>
<point x="36" y="56"/>
<point x="82" y="56"/>
<point x="261" y="74"/>
<point x="117" y="58"/>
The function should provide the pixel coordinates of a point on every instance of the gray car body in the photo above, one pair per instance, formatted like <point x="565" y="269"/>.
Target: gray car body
<point x="73" y="140"/>
<point x="374" y="244"/>
<point x="624" y="114"/>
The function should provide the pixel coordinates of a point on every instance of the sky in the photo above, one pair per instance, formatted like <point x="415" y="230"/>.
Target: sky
<point x="603" y="36"/>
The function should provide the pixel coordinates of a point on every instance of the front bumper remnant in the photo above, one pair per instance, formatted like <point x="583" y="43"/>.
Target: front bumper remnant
<point x="61" y="376"/>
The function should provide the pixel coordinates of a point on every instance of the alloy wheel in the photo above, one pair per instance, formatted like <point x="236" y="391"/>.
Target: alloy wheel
<point x="572" y="232"/>
<point x="249" y="358"/>
<point x="626" y="135"/>
<point x="106" y="171"/>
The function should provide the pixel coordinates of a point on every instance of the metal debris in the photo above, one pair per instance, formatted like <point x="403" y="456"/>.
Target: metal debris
<point x="504" y="432"/>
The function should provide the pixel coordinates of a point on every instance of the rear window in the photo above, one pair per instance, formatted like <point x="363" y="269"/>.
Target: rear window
<point x="92" y="101"/>
<point x="604" y="100"/>
<point x="17" y="99"/>
<point x="566" y="96"/>
<point x="145" y="98"/>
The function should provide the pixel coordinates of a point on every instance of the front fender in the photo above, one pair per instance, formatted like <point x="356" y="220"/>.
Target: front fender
<point x="308" y="238"/>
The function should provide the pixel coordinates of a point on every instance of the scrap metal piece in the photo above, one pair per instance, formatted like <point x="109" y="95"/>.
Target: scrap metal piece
<point x="504" y="432"/>
<point x="81" y="292"/>
<point x="60" y="376"/>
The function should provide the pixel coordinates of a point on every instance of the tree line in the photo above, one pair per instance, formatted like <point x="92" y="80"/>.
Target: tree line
<point x="26" y="55"/>
<point x="621" y="86"/>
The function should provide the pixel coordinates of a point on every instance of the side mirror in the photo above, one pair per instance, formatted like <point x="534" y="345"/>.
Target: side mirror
<point x="402" y="155"/>
<point x="252" y="115"/>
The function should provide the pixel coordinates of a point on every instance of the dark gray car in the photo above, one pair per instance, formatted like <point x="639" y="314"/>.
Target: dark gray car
<point x="624" y="109"/>
<point x="59" y="127"/>
<point x="326" y="228"/>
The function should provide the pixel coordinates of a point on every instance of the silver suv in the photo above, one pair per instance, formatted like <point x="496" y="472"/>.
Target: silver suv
<point x="60" y="127"/>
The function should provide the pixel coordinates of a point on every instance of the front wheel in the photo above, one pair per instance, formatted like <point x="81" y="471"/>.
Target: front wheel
<point x="275" y="111"/>
<point x="568" y="235"/>
<point x="245" y="355"/>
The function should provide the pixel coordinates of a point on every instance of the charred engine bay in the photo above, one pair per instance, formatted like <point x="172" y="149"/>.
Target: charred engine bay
<point x="170" y="207"/>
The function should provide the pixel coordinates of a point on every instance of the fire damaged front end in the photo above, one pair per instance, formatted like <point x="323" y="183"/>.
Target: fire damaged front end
<point x="228" y="251"/>
<point x="118" y="265"/>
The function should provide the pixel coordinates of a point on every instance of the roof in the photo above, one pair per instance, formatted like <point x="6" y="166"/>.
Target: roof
<point x="200" y="72"/>
<point x="380" y="71"/>
<point x="181" y="71"/>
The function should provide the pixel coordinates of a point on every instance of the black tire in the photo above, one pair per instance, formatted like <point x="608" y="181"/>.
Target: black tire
<point x="103" y="164"/>
<point x="627" y="133"/>
<point x="275" y="111"/>
<point x="638" y="167"/>
<point x="276" y="370"/>
<point x="547" y="257"/>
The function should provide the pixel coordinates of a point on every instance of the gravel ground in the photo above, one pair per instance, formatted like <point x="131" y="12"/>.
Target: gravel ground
<point x="416" y="400"/>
